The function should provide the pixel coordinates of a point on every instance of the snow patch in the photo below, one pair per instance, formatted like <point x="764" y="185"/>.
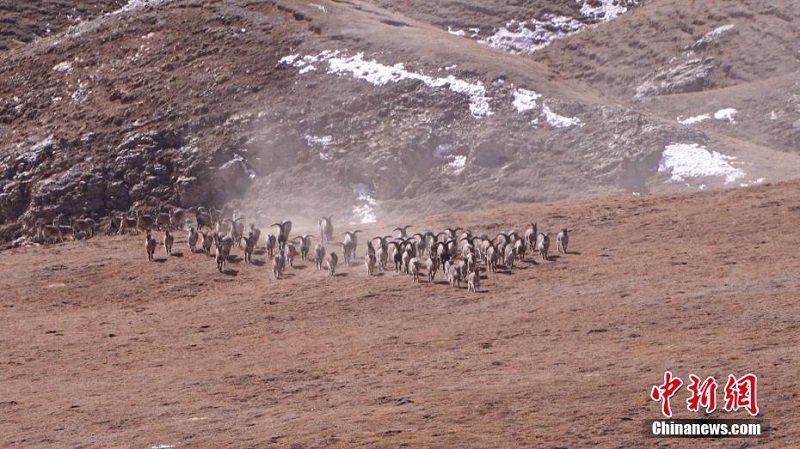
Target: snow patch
<point x="456" y="165"/>
<point x="757" y="181"/>
<point x="318" y="7"/>
<point x="379" y="74"/>
<point x="531" y="35"/>
<point x="364" y="213"/>
<point x="722" y="114"/>
<point x="694" y="161"/>
<point x="604" y="10"/>
<point x="534" y="34"/>
<point x="693" y="120"/>
<point x="323" y="142"/>
<point x="238" y="159"/>
<point x="559" y="121"/>
<point x="726" y="114"/>
<point x="525" y="100"/>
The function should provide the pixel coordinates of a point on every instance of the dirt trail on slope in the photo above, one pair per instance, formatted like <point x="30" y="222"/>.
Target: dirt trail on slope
<point x="101" y="348"/>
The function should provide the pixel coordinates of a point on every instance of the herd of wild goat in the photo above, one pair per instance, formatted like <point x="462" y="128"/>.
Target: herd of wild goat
<point x="457" y="252"/>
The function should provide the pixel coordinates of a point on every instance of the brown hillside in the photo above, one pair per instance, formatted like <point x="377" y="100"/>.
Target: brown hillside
<point x="104" y="349"/>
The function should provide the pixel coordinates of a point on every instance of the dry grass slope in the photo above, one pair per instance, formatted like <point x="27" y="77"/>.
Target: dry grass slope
<point x="102" y="348"/>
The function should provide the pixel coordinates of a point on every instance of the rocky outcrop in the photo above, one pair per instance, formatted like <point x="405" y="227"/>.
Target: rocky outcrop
<point x="688" y="76"/>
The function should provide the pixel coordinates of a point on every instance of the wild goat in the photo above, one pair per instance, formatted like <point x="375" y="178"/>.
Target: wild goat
<point x="278" y="264"/>
<point x="249" y="246"/>
<point x="83" y="225"/>
<point x="169" y="239"/>
<point x="402" y="231"/>
<point x="202" y="217"/>
<point x="223" y="227"/>
<point x="144" y="222"/>
<point x="455" y="274"/>
<point x="126" y="223"/>
<point x="406" y="260"/>
<point x="112" y="227"/>
<point x="350" y="241"/>
<point x="162" y="220"/>
<point x="508" y="257"/>
<point x="270" y="244"/>
<point x="531" y="235"/>
<point x="519" y="248"/>
<point x="48" y="232"/>
<point x="382" y="256"/>
<point x="177" y="219"/>
<point x="255" y="233"/>
<point x="208" y="242"/>
<point x="150" y="246"/>
<point x="543" y="245"/>
<point x="319" y="255"/>
<point x="237" y="230"/>
<point x="65" y="231"/>
<point x="284" y="228"/>
<point x="370" y="261"/>
<point x="474" y="281"/>
<point x="291" y="253"/>
<point x="331" y="261"/>
<point x="192" y="239"/>
<point x="413" y="269"/>
<point x="224" y="246"/>
<point x="305" y="245"/>
<point x="325" y="229"/>
<point x="562" y="241"/>
<point x="432" y="266"/>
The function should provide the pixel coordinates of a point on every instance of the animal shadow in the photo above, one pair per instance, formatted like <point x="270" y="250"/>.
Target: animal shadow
<point x="340" y="275"/>
<point x="230" y="272"/>
<point x="258" y="262"/>
<point x="178" y="254"/>
<point x="300" y="267"/>
<point x="159" y="259"/>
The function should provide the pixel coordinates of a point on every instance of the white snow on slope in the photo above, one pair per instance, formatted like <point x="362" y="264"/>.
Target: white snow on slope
<point x="322" y="142"/>
<point x="238" y="159"/>
<point x="531" y="35"/>
<point x="364" y="212"/>
<point x="559" y="121"/>
<point x="693" y="120"/>
<point x="456" y="165"/>
<point x="606" y="9"/>
<point x="525" y="100"/>
<point x="379" y="74"/>
<point x="723" y="114"/>
<point x="726" y="114"/>
<point x="694" y="161"/>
